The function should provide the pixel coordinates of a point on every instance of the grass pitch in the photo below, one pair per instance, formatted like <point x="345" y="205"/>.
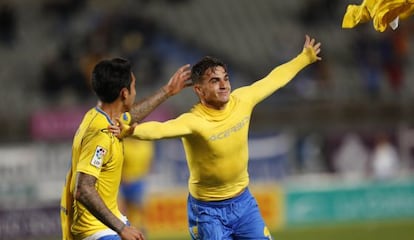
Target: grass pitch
<point x="386" y="230"/>
<point x="378" y="230"/>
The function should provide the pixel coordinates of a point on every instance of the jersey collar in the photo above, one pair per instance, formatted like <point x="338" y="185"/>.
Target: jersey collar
<point x="106" y="115"/>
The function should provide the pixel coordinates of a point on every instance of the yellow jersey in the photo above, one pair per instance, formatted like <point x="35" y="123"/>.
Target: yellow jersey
<point x="381" y="12"/>
<point x="99" y="153"/>
<point x="216" y="141"/>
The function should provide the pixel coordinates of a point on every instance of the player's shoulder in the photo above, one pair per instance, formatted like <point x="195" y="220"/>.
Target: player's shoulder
<point x="243" y="96"/>
<point x="194" y="113"/>
<point x="96" y="123"/>
<point x="241" y="91"/>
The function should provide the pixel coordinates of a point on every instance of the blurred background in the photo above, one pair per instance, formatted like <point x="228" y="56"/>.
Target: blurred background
<point x="332" y="153"/>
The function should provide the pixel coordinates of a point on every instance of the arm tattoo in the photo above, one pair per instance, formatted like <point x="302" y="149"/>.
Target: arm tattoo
<point x="89" y="197"/>
<point x="143" y="108"/>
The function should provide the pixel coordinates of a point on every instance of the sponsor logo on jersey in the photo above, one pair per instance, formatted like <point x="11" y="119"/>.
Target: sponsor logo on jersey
<point x="229" y="131"/>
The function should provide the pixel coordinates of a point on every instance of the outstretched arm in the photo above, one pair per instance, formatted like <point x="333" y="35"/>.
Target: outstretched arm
<point x="177" y="82"/>
<point x="153" y="130"/>
<point x="283" y="73"/>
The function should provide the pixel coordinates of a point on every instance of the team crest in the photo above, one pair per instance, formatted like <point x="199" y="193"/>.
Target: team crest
<point x="97" y="159"/>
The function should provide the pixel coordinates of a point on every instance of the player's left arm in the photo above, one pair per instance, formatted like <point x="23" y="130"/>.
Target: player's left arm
<point x="284" y="73"/>
<point x="85" y="193"/>
<point x="178" y="81"/>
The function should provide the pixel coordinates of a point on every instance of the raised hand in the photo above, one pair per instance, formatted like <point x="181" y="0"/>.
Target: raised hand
<point x="310" y="44"/>
<point x="178" y="81"/>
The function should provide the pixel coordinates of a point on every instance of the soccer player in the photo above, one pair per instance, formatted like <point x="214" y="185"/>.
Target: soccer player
<point x="215" y="138"/>
<point x="138" y="157"/>
<point x="89" y="208"/>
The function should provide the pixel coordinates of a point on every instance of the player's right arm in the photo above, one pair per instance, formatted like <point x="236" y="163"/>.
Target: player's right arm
<point x="153" y="130"/>
<point x="178" y="81"/>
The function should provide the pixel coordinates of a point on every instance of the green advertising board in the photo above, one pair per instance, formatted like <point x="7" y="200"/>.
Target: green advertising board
<point x="340" y="203"/>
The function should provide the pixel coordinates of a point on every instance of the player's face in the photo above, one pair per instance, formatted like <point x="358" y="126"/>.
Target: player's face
<point x="214" y="89"/>
<point x="132" y="94"/>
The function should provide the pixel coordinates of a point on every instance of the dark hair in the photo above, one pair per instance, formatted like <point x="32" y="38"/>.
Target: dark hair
<point x="207" y="62"/>
<point x="109" y="76"/>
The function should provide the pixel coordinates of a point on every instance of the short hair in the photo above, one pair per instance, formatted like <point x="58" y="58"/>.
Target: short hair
<point x="109" y="76"/>
<point x="207" y="62"/>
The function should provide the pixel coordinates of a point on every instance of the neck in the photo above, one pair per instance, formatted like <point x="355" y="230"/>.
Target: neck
<point x="214" y="106"/>
<point x="113" y="110"/>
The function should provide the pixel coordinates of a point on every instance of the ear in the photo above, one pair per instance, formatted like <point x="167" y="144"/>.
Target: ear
<point x="124" y="93"/>
<point x="197" y="90"/>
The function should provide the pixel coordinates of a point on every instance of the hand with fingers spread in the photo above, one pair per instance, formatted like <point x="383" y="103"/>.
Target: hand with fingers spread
<point x="180" y="80"/>
<point x="312" y="49"/>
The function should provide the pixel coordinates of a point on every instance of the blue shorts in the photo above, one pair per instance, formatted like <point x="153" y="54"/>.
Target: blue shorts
<point x="236" y="218"/>
<point x="133" y="192"/>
